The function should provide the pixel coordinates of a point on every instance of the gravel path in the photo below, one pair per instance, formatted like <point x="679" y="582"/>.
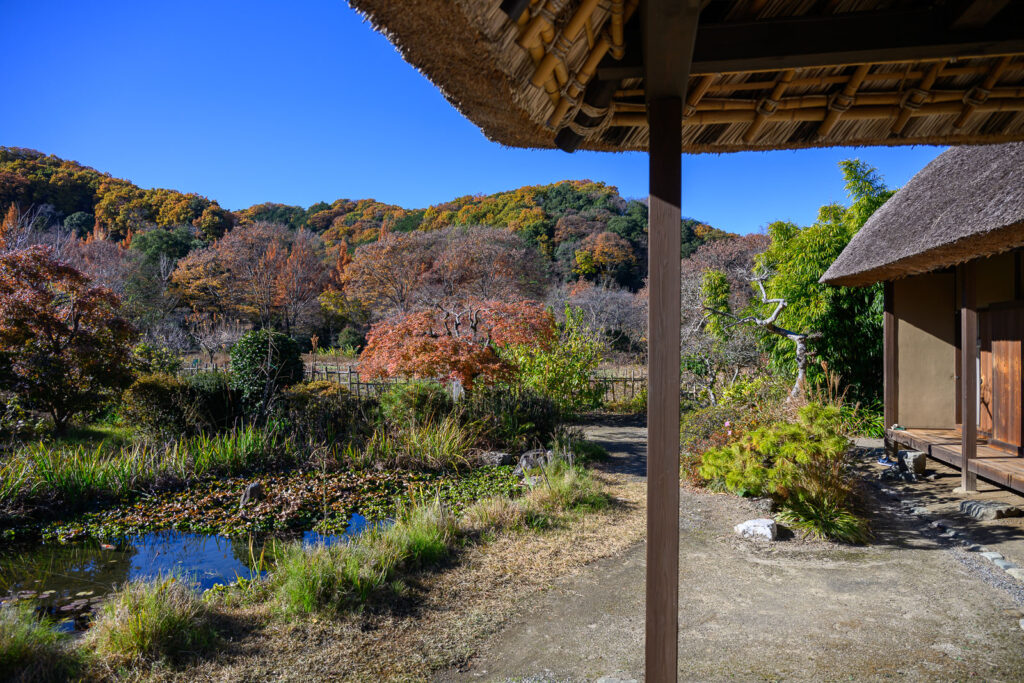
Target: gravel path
<point x="912" y="605"/>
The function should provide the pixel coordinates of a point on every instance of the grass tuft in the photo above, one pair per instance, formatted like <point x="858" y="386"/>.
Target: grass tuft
<point x="32" y="650"/>
<point x="340" y="577"/>
<point x="150" y="621"/>
<point x="824" y="518"/>
<point x="567" y="487"/>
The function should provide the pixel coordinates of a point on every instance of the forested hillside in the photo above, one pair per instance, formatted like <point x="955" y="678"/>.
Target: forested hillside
<point x="585" y="228"/>
<point x="192" y="274"/>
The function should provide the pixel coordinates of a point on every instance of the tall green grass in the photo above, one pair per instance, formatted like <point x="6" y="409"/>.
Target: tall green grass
<point x="31" y="649"/>
<point x="43" y="472"/>
<point x="441" y="445"/>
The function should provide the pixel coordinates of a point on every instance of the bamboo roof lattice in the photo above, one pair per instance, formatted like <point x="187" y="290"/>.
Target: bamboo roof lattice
<point x="766" y="74"/>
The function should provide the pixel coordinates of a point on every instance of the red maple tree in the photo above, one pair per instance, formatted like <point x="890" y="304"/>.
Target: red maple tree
<point x="63" y="346"/>
<point x="455" y="343"/>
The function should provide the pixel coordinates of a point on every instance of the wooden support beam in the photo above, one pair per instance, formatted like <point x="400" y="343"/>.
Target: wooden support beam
<point x="669" y="28"/>
<point x="850" y="38"/>
<point x="890" y="376"/>
<point x="968" y="378"/>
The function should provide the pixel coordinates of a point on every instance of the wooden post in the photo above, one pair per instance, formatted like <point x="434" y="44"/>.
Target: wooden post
<point x="663" y="390"/>
<point x="890" y="381"/>
<point x="669" y="30"/>
<point x="968" y="379"/>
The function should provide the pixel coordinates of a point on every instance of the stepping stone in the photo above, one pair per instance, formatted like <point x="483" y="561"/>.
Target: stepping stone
<point x="757" y="528"/>
<point x="1004" y="564"/>
<point x="992" y="556"/>
<point x="989" y="509"/>
<point x="1016" y="572"/>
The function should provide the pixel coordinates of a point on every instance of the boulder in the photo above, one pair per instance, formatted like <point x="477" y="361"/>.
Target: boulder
<point x="913" y="461"/>
<point x="496" y="458"/>
<point x="989" y="509"/>
<point x="531" y="460"/>
<point x="757" y="528"/>
<point x="253" y="493"/>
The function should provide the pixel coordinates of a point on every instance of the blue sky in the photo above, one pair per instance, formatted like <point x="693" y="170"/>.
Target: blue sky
<point x="297" y="102"/>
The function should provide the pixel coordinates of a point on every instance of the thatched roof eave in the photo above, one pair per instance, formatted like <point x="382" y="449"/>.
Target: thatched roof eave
<point x="968" y="203"/>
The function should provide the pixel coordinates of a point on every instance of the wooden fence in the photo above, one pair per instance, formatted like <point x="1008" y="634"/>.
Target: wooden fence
<point x="618" y="388"/>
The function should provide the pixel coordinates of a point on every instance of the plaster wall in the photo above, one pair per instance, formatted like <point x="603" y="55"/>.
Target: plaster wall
<point x="926" y="350"/>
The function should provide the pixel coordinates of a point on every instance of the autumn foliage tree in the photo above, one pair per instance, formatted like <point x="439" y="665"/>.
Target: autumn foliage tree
<point x="401" y="273"/>
<point x="455" y="343"/>
<point x="63" y="346"/>
<point x="265" y="272"/>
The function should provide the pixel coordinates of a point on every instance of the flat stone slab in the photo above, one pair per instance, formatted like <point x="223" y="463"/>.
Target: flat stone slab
<point x="1004" y="564"/>
<point x="989" y="509"/>
<point x="990" y="555"/>
<point x="1016" y="572"/>
<point x="757" y="528"/>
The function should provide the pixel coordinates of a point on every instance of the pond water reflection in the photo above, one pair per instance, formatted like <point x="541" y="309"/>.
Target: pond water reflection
<point x="68" y="579"/>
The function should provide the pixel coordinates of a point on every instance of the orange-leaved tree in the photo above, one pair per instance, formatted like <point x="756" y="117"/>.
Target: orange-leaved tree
<point x="63" y="346"/>
<point x="455" y="343"/>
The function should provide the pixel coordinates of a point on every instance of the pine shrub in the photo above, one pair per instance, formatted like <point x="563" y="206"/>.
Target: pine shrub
<point x="264" y="362"/>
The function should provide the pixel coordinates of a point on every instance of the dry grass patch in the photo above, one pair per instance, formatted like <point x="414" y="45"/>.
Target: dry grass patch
<point x="446" y="616"/>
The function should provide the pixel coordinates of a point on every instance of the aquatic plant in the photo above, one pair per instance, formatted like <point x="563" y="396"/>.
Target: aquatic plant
<point x="148" y="621"/>
<point x="77" y="475"/>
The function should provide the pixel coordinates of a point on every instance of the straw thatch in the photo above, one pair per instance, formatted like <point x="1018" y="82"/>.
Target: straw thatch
<point x="967" y="203"/>
<point x="548" y="76"/>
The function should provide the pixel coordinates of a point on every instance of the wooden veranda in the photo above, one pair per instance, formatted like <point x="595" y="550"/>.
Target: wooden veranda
<point x="946" y="445"/>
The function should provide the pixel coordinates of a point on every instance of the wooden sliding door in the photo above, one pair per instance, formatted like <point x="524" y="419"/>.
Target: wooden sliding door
<point x="1002" y="386"/>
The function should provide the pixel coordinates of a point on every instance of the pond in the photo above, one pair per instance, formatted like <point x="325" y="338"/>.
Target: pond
<point x="67" y="581"/>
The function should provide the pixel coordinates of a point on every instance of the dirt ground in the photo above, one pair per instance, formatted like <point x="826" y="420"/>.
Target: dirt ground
<point x="568" y="605"/>
<point x="911" y="605"/>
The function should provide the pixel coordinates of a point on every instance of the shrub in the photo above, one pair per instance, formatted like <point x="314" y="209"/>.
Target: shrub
<point x="158" y="406"/>
<point x="31" y="649"/>
<point x="149" y="359"/>
<point x="415" y="403"/>
<point x="16" y="422"/>
<point x="563" y="371"/>
<point x="711" y="427"/>
<point x="148" y="621"/>
<point x="262" y="363"/>
<point x="634" y="405"/>
<point x="802" y="465"/>
<point x="511" y="418"/>
<point x="767" y="460"/>
<point x="325" y="412"/>
<point x="350" y="340"/>
<point x="216" y="404"/>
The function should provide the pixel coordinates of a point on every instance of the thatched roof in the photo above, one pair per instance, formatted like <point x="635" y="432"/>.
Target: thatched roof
<point x="766" y="74"/>
<point x="967" y="203"/>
